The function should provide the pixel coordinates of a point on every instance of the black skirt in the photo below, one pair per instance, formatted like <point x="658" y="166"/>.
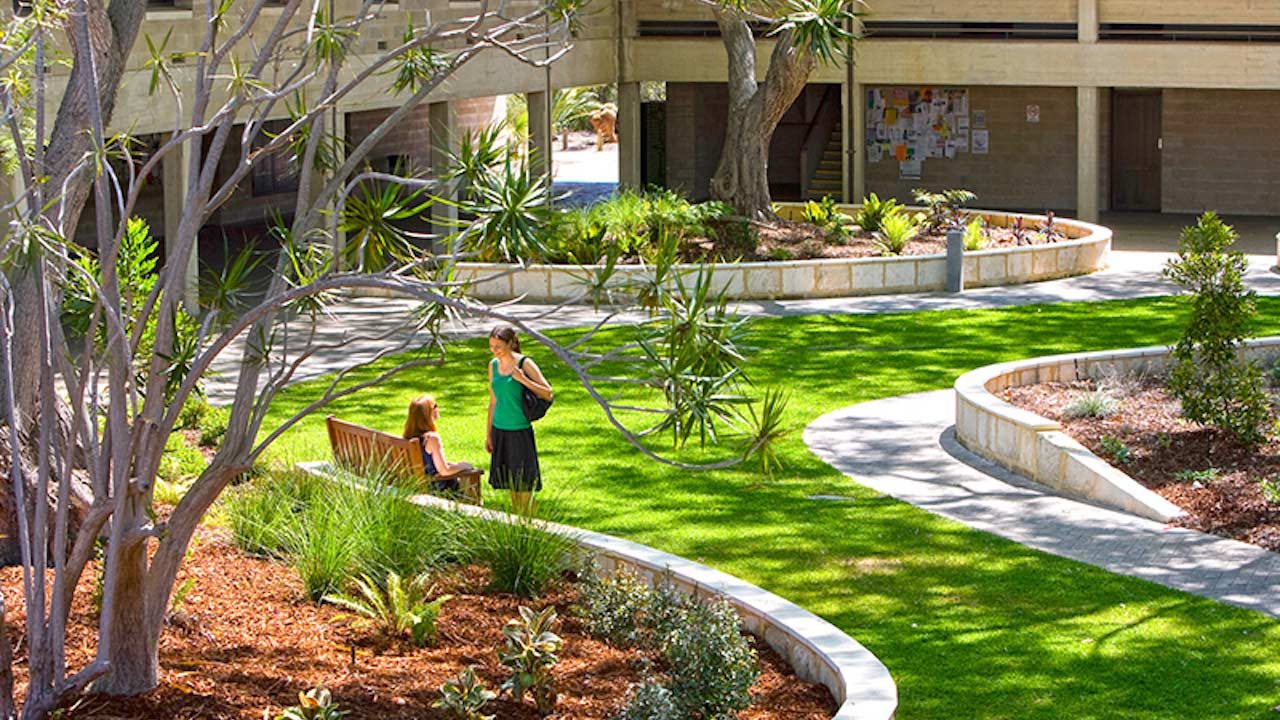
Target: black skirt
<point x="515" y="461"/>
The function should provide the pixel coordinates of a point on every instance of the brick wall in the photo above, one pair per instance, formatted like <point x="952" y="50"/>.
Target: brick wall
<point x="1030" y="166"/>
<point x="1220" y="151"/>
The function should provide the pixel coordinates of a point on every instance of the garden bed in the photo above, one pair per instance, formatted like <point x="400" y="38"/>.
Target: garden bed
<point x="244" y="641"/>
<point x="790" y="240"/>
<point x="1216" y="480"/>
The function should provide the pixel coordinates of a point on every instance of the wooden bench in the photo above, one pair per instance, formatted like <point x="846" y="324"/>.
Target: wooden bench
<point x="361" y="449"/>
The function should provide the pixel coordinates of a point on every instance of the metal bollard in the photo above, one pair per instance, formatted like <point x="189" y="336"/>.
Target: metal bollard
<point x="955" y="260"/>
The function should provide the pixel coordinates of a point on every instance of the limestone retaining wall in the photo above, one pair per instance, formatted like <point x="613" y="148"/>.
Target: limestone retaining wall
<point x="1084" y="252"/>
<point x="1036" y="447"/>
<point x="817" y="650"/>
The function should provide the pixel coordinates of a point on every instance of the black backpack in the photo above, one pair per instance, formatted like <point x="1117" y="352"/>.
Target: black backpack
<point x="534" y="406"/>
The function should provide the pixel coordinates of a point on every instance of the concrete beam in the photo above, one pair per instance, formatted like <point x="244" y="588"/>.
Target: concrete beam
<point x="1088" y="130"/>
<point x="629" y="144"/>
<point x="174" y="174"/>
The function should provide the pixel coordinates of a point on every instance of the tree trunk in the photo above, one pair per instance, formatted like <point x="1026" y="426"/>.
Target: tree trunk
<point x="7" y="708"/>
<point x="133" y="641"/>
<point x="742" y="177"/>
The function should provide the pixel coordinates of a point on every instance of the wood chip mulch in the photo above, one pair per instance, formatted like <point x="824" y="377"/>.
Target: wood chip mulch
<point x="1223" y="496"/>
<point x="244" y="643"/>
<point x="802" y="241"/>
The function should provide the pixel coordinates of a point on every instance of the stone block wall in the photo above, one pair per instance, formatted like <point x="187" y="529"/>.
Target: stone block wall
<point x="1220" y="151"/>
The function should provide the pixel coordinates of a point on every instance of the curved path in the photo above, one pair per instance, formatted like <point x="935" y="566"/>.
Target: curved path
<point x="905" y="447"/>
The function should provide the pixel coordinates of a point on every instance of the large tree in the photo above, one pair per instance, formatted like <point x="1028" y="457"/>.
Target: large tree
<point x="102" y="406"/>
<point x="807" y="33"/>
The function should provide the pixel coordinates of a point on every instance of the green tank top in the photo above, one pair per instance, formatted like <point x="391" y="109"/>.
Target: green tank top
<point x="508" y="396"/>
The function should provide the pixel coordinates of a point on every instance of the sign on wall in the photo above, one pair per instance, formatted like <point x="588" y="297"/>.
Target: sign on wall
<point x="913" y="124"/>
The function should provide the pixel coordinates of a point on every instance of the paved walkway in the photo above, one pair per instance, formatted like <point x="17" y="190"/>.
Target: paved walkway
<point x="905" y="447"/>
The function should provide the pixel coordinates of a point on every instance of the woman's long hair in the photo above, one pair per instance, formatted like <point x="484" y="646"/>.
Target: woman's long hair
<point x="507" y="334"/>
<point x="421" y="418"/>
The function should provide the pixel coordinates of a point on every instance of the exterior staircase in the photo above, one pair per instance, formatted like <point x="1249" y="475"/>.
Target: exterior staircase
<point x="826" y="178"/>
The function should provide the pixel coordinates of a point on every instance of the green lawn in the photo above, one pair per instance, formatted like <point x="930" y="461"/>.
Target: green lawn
<point x="970" y="625"/>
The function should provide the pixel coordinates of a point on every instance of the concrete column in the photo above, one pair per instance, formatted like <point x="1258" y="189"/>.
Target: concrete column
<point x="442" y="128"/>
<point x="338" y="121"/>
<point x="857" y="134"/>
<point x="629" y="146"/>
<point x="1088" y="140"/>
<point x="539" y="104"/>
<point x="174" y="170"/>
<point x="1087" y="30"/>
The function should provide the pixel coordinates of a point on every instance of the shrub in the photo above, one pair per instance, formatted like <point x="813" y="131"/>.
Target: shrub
<point x="193" y="413"/>
<point x="181" y="463"/>
<point x="873" y="212"/>
<point x="896" y="231"/>
<point x="614" y="607"/>
<point x="464" y="696"/>
<point x="1271" y="489"/>
<point x="649" y="702"/>
<point x="214" y="427"/>
<point x="1205" y="476"/>
<point x="942" y="209"/>
<point x="522" y="558"/>
<point x="1096" y="404"/>
<point x="314" y="704"/>
<point x="397" y="607"/>
<point x="1116" y="450"/>
<point x="1215" y="386"/>
<point x="264" y="513"/>
<point x="530" y="652"/>
<point x="712" y="664"/>
<point x="826" y="216"/>
<point x="975" y="234"/>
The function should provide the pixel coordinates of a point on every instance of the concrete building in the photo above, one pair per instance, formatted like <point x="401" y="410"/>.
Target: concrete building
<point x="1076" y="106"/>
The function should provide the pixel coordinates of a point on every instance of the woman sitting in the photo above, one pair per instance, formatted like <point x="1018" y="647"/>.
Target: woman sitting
<point x="421" y="426"/>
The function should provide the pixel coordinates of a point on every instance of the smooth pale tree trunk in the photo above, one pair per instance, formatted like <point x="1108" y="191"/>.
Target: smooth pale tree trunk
<point x="742" y="177"/>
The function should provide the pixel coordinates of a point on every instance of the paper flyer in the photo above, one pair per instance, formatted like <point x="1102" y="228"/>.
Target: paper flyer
<point x="980" y="142"/>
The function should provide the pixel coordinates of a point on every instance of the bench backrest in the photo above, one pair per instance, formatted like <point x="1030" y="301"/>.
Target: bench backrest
<point x="361" y="448"/>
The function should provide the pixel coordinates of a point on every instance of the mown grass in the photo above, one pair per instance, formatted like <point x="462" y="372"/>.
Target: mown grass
<point x="970" y="625"/>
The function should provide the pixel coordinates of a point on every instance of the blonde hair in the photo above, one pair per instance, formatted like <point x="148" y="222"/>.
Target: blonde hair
<point x="421" y="418"/>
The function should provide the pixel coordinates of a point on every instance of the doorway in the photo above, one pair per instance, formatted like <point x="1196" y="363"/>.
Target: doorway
<point x="1135" y="150"/>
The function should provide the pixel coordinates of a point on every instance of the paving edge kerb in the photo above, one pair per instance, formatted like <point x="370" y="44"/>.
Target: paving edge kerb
<point x="1085" y="251"/>
<point x="1036" y="447"/>
<point x="817" y="650"/>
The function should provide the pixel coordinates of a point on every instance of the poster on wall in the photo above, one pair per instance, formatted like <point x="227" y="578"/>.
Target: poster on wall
<point x="979" y="118"/>
<point x="909" y="125"/>
<point x="981" y="142"/>
<point x="1033" y="113"/>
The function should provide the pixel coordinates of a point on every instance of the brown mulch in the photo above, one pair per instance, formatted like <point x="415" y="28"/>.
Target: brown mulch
<point x="802" y="241"/>
<point x="1228" y="501"/>
<point x="244" y="643"/>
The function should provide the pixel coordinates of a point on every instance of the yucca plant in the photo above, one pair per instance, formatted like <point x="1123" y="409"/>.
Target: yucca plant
<point x="896" y="231"/>
<point x="464" y="696"/>
<point x="530" y="652"/>
<point x="370" y="217"/>
<point x="767" y="430"/>
<point x="873" y="212"/>
<point x="398" y="608"/>
<point x="511" y="207"/>
<point x="314" y="704"/>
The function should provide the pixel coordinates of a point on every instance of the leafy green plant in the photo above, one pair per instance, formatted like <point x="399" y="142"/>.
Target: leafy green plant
<point x="764" y="420"/>
<point x="943" y="208"/>
<point x="510" y="206"/>
<point x="1203" y="477"/>
<point x="650" y="701"/>
<point x="214" y="426"/>
<point x="193" y="412"/>
<point x="1094" y="404"/>
<point x="465" y="696"/>
<point x="181" y="463"/>
<point x="712" y="664"/>
<point x="397" y="607"/>
<point x="373" y="219"/>
<point x="1214" y="384"/>
<point x="522" y="558"/>
<point x="828" y="217"/>
<point x="975" y="234"/>
<point x="314" y="704"/>
<point x="896" y="231"/>
<point x="530" y="651"/>
<point x="1116" y="450"/>
<point x="613" y="607"/>
<point x="873" y="212"/>
<point x="1271" y="489"/>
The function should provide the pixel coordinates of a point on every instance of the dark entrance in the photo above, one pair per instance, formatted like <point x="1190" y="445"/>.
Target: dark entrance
<point x="1135" y="150"/>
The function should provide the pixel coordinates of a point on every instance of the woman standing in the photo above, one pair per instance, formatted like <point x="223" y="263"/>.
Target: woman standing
<point x="510" y="440"/>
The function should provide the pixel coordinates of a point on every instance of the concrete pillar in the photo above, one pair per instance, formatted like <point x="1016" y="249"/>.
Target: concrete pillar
<point x="539" y="104"/>
<point x="629" y="146"/>
<point x="174" y="169"/>
<point x="442" y="128"/>
<point x="857" y="134"/>
<point x="1088" y="141"/>
<point x="337" y="121"/>
<point x="1087" y="30"/>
